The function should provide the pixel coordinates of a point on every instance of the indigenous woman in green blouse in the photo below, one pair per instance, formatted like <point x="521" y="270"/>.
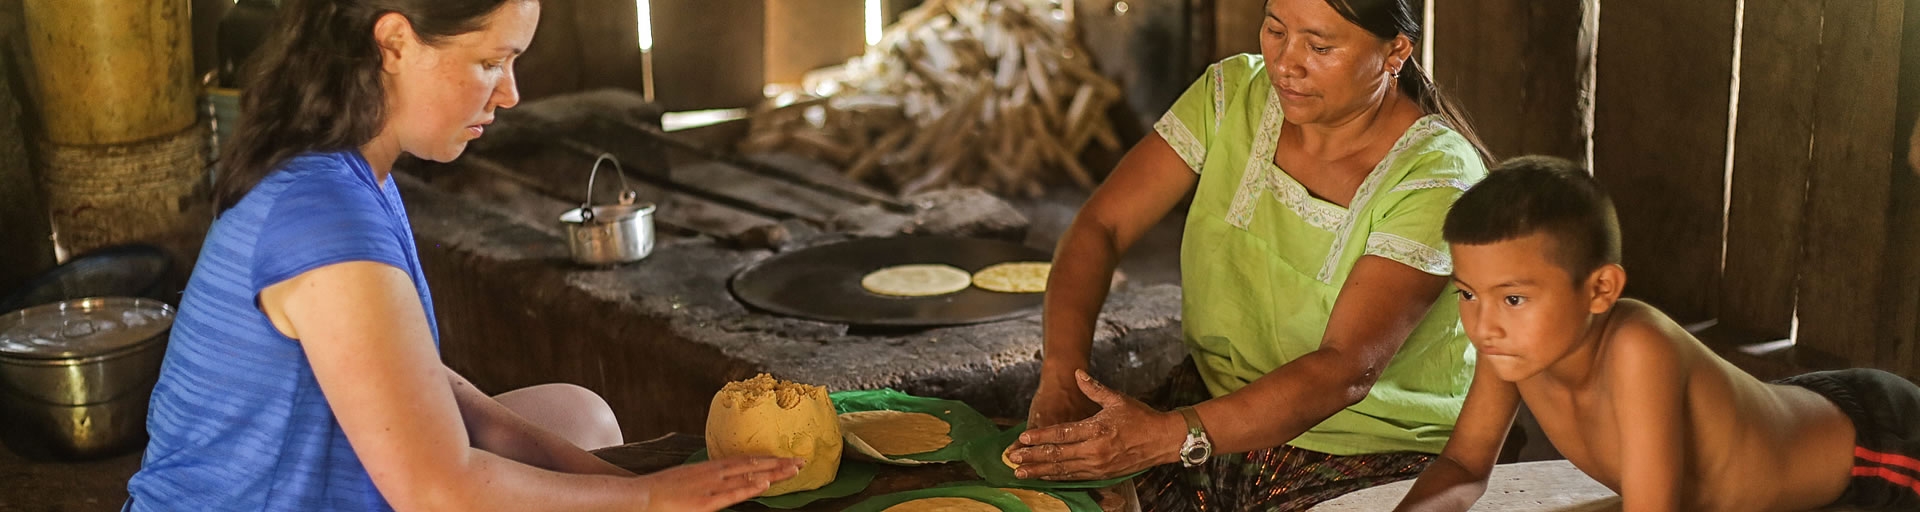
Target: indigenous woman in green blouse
<point x="1312" y="265"/>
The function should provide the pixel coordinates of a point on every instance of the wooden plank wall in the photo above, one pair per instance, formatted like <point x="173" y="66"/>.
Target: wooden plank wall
<point x="1900" y="317"/>
<point x="1848" y="194"/>
<point x="1537" y="107"/>
<point x="1771" y="165"/>
<point x="1663" y="80"/>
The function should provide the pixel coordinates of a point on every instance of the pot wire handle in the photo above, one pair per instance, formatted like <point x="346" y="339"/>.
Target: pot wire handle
<point x="626" y="192"/>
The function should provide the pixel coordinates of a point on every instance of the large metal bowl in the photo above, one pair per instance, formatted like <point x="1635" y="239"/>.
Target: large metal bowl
<point x="75" y="385"/>
<point x="42" y="431"/>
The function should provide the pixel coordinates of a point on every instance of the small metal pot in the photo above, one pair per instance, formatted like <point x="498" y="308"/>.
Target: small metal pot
<point x="609" y="234"/>
<point x="75" y="376"/>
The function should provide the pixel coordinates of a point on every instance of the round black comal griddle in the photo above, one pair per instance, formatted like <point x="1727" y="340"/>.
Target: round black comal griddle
<point x="823" y="282"/>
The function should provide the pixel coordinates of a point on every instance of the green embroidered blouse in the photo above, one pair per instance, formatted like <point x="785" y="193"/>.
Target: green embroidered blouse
<point x="1262" y="260"/>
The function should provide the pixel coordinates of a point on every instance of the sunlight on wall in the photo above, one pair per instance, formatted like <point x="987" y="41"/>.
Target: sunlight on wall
<point x="874" y="23"/>
<point x="645" y="25"/>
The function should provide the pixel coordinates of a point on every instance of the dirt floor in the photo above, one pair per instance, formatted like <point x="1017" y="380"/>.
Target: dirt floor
<point x="29" y="486"/>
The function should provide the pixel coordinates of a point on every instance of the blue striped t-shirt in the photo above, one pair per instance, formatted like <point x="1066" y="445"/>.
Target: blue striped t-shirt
<point x="237" y="420"/>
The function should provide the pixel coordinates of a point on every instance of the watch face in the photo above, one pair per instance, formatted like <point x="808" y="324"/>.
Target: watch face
<point x="1195" y="453"/>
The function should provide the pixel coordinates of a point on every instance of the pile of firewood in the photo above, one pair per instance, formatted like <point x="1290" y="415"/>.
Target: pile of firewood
<point x="988" y="93"/>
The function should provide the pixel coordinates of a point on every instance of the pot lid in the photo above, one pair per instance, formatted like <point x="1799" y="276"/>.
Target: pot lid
<point x="82" y="327"/>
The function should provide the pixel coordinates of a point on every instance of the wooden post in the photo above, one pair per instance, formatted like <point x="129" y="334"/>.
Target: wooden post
<point x="1849" y="190"/>
<point x="112" y="71"/>
<point x="1521" y="70"/>
<point x="152" y="192"/>
<point x="124" y="158"/>
<point x="1771" y="165"/>
<point x="1664" y="74"/>
<point x="25" y="232"/>
<point x="803" y="36"/>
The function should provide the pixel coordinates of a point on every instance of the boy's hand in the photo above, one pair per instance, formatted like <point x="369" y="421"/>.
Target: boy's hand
<point x="715" y="484"/>
<point x="1458" y="477"/>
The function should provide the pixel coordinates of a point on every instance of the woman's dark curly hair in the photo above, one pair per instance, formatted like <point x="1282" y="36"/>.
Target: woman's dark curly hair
<point x="316" y="84"/>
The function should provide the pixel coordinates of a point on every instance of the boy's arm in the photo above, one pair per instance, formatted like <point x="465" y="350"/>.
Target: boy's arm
<point x="1458" y="476"/>
<point x="1649" y="387"/>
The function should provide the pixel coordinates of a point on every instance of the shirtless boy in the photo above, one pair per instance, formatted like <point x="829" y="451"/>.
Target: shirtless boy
<point x="1627" y="395"/>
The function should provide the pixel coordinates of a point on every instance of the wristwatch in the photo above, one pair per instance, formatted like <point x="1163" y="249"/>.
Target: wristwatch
<point x="1197" y="448"/>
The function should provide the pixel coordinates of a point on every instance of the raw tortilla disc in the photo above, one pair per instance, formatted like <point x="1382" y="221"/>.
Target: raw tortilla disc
<point x="1021" y="277"/>
<point x="943" y="505"/>
<point x="1038" y="501"/>
<point x="898" y="433"/>
<point x="916" y="280"/>
<point x="1004" y="459"/>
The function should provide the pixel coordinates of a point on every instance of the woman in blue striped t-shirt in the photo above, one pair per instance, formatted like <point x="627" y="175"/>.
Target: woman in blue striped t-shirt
<point x="304" y="369"/>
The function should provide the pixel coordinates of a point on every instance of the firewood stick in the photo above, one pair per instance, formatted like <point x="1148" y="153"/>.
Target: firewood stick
<point x="936" y="175"/>
<point x="1036" y="75"/>
<point x="1068" y="162"/>
<point x="829" y="150"/>
<point x="871" y="159"/>
<point x="1078" y="68"/>
<point x="1077" y="122"/>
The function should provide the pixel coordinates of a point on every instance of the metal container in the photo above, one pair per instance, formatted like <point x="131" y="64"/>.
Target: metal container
<point x="609" y="234"/>
<point x="75" y="375"/>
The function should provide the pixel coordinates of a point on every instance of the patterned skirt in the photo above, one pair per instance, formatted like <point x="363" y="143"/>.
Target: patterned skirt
<point x="1279" y="479"/>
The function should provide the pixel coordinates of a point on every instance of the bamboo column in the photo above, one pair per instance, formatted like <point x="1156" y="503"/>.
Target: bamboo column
<point x="124" y="154"/>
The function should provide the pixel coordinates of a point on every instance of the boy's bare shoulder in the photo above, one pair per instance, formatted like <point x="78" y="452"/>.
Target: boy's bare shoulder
<point x="1639" y="333"/>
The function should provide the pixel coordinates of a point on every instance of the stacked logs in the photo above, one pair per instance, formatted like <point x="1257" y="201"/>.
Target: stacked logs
<point x="985" y="93"/>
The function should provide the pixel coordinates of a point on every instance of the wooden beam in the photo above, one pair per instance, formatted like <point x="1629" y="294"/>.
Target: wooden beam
<point x="1771" y="164"/>
<point x="1521" y="71"/>
<point x="1847" y="200"/>
<point x="1664" y="74"/>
